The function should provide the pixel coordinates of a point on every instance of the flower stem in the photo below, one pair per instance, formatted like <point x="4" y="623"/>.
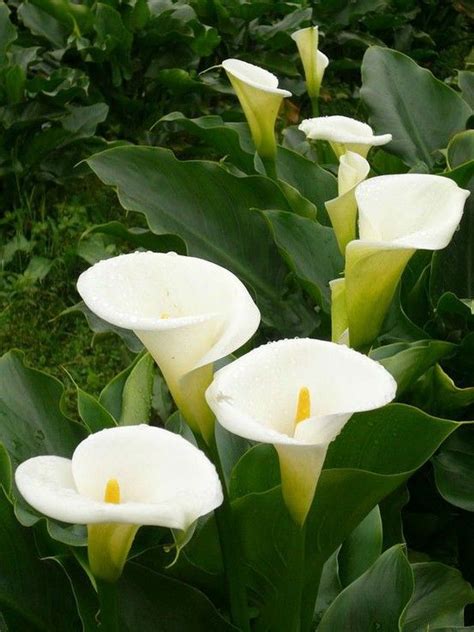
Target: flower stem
<point x="315" y="106"/>
<point x="107" y="592"/>
<point x="310" y="594"/>
<point x="289" y="613"/>
<point x="230" y="547"/>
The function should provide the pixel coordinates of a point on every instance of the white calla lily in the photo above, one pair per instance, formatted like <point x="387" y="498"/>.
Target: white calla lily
<point x="188" y="313"/>
<point x="342" y="211"/>
<point x="297" y="395"/>
<point x="398" y="214"/>
<point x="314" y="61"/>
<point x="343" y="134"/>
<point x="117" y="480"/>
<point x="260" y="98"/>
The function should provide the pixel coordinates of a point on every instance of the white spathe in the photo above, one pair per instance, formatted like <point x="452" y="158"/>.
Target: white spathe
<point x="342" y="211"/>
<point x="314" y="61"/>
<point x="256" y="397"/>
<point x="398" y="214"/>
<point x="344" y="134"/>
<point x="188" y="312"/>
<point x="163" y="480"/>
<point x="260" y="98"/>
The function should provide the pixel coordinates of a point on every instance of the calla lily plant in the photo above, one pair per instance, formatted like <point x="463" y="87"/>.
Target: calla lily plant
<point x="297" y="395"/>
<point x="187" y="312"/>
<point x="343" y="134"/>
<point x="117" y="480"/>
<point x="398" y="214"/>
<point x="260" y="98"/>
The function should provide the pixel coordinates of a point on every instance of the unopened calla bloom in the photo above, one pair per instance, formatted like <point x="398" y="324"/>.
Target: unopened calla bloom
<point x="117" y="480"/>
<point x="260" y="98"/>
<point x="398" y="214"/>
<point x="314" y="61"/>
<point x="343" y="134"/>
<point x="188" y="313"/>
<point x="297" y="395"/>
<point x="342" y="211"/>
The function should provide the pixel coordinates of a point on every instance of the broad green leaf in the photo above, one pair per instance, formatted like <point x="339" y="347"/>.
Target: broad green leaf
<point x="438" y="394"/>
<point x="407" y="361"/>
<point x="231" y="448"/>
<point x="310" y="250"/>
<point x="362" y="548"/>
<point x="32" y="422"/>
<point x="312" y="181"/>
<point x="210" y="209"/>
<point x="461" y="149"/>
<point x="41" y="23"/>
<point x="391" y="512"/>
<point x="150" y="602"/>
<point x="139" y="237"/>
<point x="439" y="598"/>
<point x="85" y="596"/>
<point x="33" y="594"/>
<point x="92" y="413"/>
<point x="376" y="600"/>
<point x="421" y="112"/>
<point x="228" y="139"/>
<point x="83" y="120"/>
<point x="8" y="32"/>
<point x="257" y="471"/>
<point x="5" y="470"/>
<point x="454" y="469"/>
<point x="137" y="393"/>
<point x="466" y="83"/>
<point x="111" y="396"/>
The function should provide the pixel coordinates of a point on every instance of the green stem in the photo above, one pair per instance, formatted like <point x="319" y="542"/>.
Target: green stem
<point x="310" y="594"/>
<point x="315" y="106"/>
<point x="230" y="547"/>
<point x="107" y="592"/>
<point x="289" y="611"/>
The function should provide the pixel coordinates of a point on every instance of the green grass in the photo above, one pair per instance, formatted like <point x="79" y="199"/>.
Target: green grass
<point x="30" y="308"/>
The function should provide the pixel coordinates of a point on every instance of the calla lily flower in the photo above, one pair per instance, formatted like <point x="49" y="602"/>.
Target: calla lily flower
<point x="297" y="395"/>
<point x="398" y="214"/>
<point x="260" y="98"/>
<point x="343" y="134"/>
<point x="342" y="211"/>
<point x="188" y="313"/>
<point x="117" y="480"/>
<point x="314" y="61"/>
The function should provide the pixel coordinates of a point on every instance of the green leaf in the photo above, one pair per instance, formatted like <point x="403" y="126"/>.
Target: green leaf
<point x="7" y="31"/>
<point x="150" y="602"/>
<point x="310" y="250"/>
<point x="439" y="395"/>
<point x="33" y="594"/>
<point x="137" y="393"/>
<point x="228" y="139"/>
<point x="211" y="210"/>
<point x="83" y="120"/>
<point x="256" y="471"/>
<point x="408" y="361"/>
<point x="421" y="112"/>
<point x="41" y="23"/>
<point x="99" y="326"/>
<point x="439" y="599"/>
<point x="361" y="549"/>
<point x="461" y="149"/>
<point x="139" y="237"/>
<point x="92" y="413"/>
<point x="454" y="469"/>
<point x="312" y="181"/>
<point x="466" y="83"/>
<point x="31" y="420"/>
<point x="376" y="600"/>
